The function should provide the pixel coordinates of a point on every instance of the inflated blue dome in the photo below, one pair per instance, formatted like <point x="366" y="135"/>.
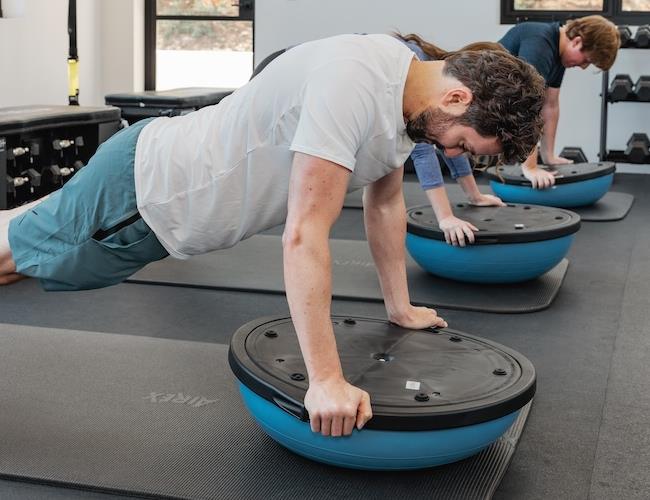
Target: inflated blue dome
<point x="438" y="396"/>
<point x="576" y="185"/>
<point x="515" y="243"/>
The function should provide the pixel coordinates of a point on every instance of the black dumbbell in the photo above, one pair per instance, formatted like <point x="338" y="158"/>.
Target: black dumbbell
<point x="642" y="37"/>
<point x="13" y="153"/>
<point x="642" y="88"/>
<point x="638" y="148"/>
<point x="35" y="148"/>
<point x="621" y="88"/>
<point x="626" y="35"/>
<point x="60" y="144"/>
<point x="15" y="182"/>
<point x="34" y="177"/>
<point x="574" y="153"/>
<point x="9" y="183"/>
<point x="59" y="174"/>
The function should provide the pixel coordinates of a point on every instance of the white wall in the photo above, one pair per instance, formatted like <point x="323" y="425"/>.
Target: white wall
<point x="34" y="50"/>
<point x="33" y="54"/>
<point x="122" y="46"/>
<point x="451" y="24"/>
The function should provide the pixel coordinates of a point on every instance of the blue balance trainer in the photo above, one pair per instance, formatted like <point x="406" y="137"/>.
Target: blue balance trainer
<point x="437" y="396"/>
<point x="514" y="243"/>
<point x="576" y="185"/>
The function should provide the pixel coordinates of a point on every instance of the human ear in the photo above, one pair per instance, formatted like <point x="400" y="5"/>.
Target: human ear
<point x="457" y="96"/>
<point x="577" y="42"/>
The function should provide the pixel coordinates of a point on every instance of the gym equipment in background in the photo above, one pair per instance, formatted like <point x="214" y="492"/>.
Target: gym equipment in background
<point x="73" y="56"/>
<point x="637" y="150"/>
<point x="640" y="40"/>
<point x="576" y="185"/>
<point x="642" y="37"/>
<point x="574" y="153"/>
<point x="41" y="147"/>
<point x="638" y="146"/>
<point x="621" y="88"/>
<point x="642" y="88"/>
<point x="514" y="243"/>
<point x="153" y="103"/>
<point x="626" y="35"/>
<point x="438" y="396"/>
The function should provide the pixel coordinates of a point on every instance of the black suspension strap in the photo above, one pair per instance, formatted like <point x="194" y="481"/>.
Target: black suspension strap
<point x="73" y="57"/>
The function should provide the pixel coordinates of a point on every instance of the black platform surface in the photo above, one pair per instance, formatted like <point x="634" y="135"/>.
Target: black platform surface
<point x="611" y="207"/>
<point x="256" y="265"/>
<point x="587" y="436"/>
<point x="156" y="417"/>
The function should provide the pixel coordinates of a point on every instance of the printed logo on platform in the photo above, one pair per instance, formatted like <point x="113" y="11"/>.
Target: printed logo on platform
<point x="180" y="399"/>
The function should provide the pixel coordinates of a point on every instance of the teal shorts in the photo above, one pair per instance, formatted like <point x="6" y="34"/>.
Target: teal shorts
<point x="88" y="234"/>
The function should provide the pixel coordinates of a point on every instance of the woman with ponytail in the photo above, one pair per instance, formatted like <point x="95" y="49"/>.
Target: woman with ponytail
<point x="427" y="165"/>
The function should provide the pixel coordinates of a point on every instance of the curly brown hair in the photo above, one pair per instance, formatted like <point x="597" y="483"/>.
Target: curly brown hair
<point x="508" y="95"/>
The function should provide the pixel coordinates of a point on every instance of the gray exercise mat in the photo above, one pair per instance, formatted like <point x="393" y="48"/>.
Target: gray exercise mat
<point x="413" y="195"/>
<point x="163" y="418"/>
<point x="611" y="207"/>
<point x="256" y="265"/>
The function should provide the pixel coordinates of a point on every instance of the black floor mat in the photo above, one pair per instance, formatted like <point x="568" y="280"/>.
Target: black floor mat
<point x="163" y="418"/>
<point x="611" y="207"/>
<point x="256" y="265"/>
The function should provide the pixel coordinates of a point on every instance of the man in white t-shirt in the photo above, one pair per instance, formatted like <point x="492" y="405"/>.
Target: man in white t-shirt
<point x="324" y="118"/>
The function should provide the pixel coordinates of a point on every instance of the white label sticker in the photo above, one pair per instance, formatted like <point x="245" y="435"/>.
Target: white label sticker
<point x="412" y="384"/>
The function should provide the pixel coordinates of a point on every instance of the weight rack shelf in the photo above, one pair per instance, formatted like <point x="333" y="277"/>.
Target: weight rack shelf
<point x="615" y="155"/>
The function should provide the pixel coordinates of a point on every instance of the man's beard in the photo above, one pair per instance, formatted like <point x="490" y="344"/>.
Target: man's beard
<point x="429" y="125"/>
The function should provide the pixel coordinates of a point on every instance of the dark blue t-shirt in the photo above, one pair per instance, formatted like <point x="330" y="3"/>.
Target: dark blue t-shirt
<point x="539" y="45"/>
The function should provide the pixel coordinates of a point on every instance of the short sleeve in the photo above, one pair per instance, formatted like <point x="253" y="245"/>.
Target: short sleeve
<point x="556" y="80"/>
<point x="537" y="52"/>
<point x="337" y="111"/>
<point x="427" y="166"/>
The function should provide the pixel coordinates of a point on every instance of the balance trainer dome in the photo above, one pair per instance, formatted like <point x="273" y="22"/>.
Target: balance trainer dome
<point x="514" y="243"/>
<point x="576" y="185"/>
<point x="437" y="395"/>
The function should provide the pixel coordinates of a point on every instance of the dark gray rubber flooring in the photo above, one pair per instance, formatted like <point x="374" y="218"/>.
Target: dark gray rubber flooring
<point x="255" y="265"/>
<point x="587" y="434"/>
<point x="161" y="417"/>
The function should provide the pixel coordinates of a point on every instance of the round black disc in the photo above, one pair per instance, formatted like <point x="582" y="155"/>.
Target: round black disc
<point x="512" y="174"/>
<point x="417" y="379"/>
<point x="513" y="223"/>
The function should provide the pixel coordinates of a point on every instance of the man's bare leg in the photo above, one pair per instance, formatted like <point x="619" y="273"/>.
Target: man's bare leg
<point x="8" y="273"/>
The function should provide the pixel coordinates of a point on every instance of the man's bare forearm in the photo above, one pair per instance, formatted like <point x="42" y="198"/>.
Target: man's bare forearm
<point x="307" y="275"/>
<point x="386" y="232"/>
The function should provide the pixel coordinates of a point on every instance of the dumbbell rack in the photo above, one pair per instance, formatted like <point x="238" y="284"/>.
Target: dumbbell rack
<point x="614" y="155"/>
<point x="41" y="147"/>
